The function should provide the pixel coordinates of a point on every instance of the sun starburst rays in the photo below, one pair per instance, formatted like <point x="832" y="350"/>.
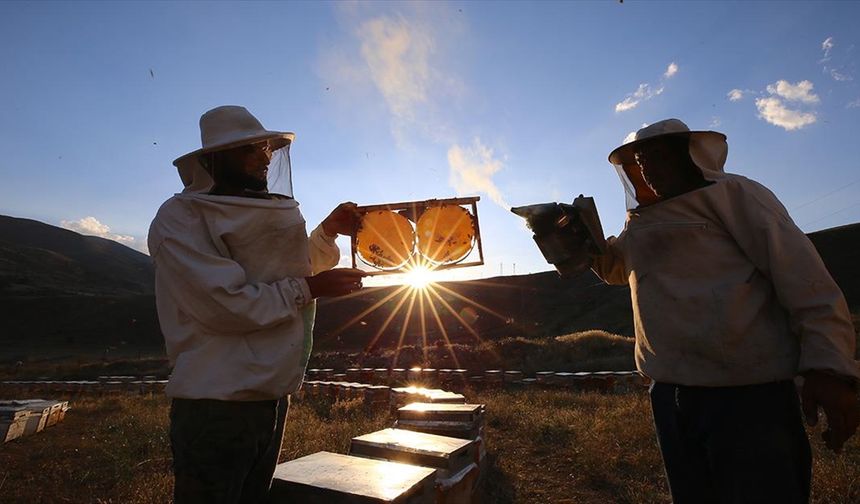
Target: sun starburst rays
<point x="388" y="320"/>
<point x="444" y="333"/>
<point x="405" y="327"/>
<point x="432" y="301"/>
<point x="372" y="308"/>
<point x="471" y="302"/>
<point x="421" y="317"/>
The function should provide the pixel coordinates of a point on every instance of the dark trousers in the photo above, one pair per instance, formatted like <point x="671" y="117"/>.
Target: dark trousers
<point x="225" y="451"/>
<point x="733" y="444"/>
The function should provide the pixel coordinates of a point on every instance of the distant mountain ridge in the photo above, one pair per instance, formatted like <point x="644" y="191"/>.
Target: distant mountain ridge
<point x="60" y="288"/>
<point x="40" y="259"/>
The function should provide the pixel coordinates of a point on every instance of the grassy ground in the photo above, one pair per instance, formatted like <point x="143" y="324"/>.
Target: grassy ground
<point x="544" y="447"/>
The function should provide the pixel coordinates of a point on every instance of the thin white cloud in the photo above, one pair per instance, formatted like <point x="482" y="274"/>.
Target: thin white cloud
<point x="838" y="76"/>
<point x="471" y="170"/>
<point x="735" y="94"/>
<point x="396" y="64"/>
<point x="715" y="122"/>
<point x="671" y="70"/>
<point x="827" y="46"/>
<point x="627" y="104"/>
<point x="643" y="93"/>
<point x="93" y="227"/>
<point x="403" y="59"/>
<point x="774" y="111"/>
<point x="853" y="104"/>
<point x="397" y="53"/>
<point x="646" y="91"/>
<point x="837" y="63"/>
<point x="802" y="91"/>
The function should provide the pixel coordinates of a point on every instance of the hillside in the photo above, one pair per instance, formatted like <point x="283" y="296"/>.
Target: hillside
<point x="64" y="291"/>
<point x="60" y="289"/>
<point x="38" y="259"/>
<point x="541" y="304"/>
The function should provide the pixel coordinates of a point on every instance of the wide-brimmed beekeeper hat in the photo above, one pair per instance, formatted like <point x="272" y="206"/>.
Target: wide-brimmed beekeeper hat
<point x="232" y="126"/>
<point x="668" y="127"/>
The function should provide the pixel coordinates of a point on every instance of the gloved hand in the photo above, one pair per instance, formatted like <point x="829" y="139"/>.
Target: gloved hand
<point x="838" y="398"/>
<point x="336" y="282"/>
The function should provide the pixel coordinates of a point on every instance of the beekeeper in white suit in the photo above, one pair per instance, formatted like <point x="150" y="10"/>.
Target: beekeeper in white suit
<point x="236" y="278"/>
<point x="731" y="302"/>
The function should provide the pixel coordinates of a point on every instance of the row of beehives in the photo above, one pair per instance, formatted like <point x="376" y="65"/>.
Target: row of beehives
<point x="25" y="417"/>
<point x="434" y="452"/>
<point x="452" y="379"/>
<point x="83" y="387"/>
<point x="460" y="379"/>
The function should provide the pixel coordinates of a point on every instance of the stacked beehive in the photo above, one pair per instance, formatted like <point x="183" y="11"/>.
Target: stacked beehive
<point x="26" y="417"/>
<point x="433" y="455"/>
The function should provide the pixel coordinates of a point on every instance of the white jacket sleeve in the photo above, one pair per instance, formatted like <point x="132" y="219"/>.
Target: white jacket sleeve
<point x="323" y="250"/>
<point x="816" y="306"/>
<point x="610" y="266"/>
<point x="215" y="291"/>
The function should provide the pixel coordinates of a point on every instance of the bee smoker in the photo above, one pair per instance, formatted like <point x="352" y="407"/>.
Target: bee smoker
<point x="567" y="235"/>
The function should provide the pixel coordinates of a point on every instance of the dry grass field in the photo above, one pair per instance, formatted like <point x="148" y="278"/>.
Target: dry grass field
<point x="544" y="447"/>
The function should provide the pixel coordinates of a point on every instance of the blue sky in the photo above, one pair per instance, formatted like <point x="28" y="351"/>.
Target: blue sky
<point x="516" y="102"/>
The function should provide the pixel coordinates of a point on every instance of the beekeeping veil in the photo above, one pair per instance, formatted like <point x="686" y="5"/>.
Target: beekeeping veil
<point x="232" y="126"/>
<point x="708" y="150"/>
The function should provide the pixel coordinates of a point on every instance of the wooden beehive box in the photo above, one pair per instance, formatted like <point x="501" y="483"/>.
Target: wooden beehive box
<point x="464" y="421"/>
<point x="448" y="455"/>
<point x="56" y="413"/>
<point x="455" y="460"/>
<point x="38" y="419"/>
<point x="13" y="422"/>
<point x="325" y="478"/>
<point x="442" y="412"/>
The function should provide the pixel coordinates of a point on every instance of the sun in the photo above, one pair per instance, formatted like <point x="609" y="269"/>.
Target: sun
<point x="418" y="277"/>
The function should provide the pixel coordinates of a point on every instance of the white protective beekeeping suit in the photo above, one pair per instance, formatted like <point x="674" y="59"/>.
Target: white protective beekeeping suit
<point x="232" y="299"/>
<point x="726" y="289"/>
